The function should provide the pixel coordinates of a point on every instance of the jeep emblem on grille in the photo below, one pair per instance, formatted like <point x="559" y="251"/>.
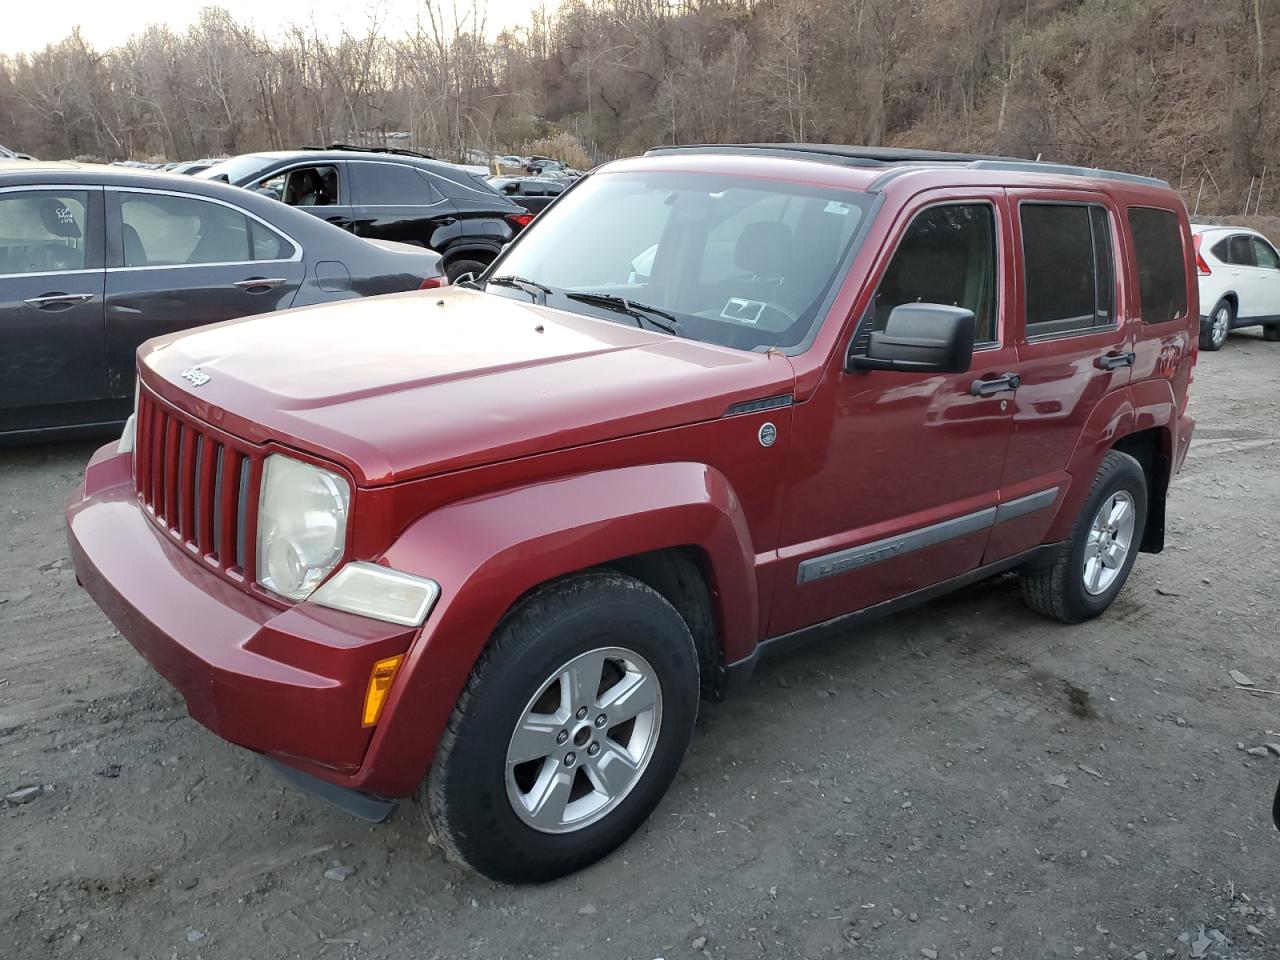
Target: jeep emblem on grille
<point x="197" y="376"/>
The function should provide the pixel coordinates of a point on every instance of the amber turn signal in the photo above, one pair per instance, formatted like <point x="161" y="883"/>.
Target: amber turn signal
<point x="384" y="671"/>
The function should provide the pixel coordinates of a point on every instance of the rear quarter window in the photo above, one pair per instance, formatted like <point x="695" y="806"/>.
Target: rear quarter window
<point x="1161" y="263"/>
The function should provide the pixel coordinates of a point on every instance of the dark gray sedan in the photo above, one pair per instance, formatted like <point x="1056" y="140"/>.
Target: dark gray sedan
<point x="95" y="260"/>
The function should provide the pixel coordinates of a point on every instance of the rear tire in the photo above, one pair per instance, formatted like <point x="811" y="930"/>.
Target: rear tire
<point x="1271" y="333"/>
<point x="1084" y="580"/>
<point x="532" y="780"/>
<point x="1220" y="321"/>
<point x="456" y="270"/>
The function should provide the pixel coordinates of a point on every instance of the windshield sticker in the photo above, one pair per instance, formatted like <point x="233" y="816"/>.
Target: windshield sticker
<point x="743" y="311"/>
<point x="835" y="206"/>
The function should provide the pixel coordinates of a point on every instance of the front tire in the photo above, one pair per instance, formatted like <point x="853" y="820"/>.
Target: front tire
<point x="569" y="731"/>
<point x="1084" y="580"/>
<point x="1220" y="321"/>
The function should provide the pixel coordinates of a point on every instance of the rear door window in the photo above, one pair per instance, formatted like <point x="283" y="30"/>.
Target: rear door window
<point x="1161" y="262"/>
<point x="160" y="230"/>
<point x="1068" y="268"/>
<point x="948" y="256"/>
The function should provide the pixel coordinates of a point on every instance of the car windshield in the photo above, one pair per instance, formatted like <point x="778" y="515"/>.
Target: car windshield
<point x="741" y="262"/>
<point x="235" y="169"/>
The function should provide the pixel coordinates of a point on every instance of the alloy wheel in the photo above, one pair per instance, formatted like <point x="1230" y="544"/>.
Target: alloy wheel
<point x="1109" y="543"/>
<point x="1221" y="325"/>
<point x="584" y="740"/>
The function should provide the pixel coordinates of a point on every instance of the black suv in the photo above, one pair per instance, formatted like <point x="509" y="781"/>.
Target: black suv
<point x="387" y="195"/>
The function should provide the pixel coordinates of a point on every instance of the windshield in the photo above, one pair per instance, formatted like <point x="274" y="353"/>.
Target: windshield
<point x="737" y="261"/>
<point x="235" y="169"/>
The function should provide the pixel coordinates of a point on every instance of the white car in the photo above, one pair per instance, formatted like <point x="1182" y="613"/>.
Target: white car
<point x="1239" y="283"/>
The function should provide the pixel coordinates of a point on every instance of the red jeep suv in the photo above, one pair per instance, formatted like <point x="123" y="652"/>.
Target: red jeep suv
<point x="497" y="540"/>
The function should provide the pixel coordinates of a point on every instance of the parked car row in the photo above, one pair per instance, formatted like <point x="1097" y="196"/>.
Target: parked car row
<point x="94" y="260"/>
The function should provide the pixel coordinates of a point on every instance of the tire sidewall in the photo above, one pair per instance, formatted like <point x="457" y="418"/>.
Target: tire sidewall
<point x="503" y="846"/>
<point x="1119" y="472"/>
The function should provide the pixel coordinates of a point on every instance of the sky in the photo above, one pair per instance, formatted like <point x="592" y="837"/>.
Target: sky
<point x="29" y="26"/>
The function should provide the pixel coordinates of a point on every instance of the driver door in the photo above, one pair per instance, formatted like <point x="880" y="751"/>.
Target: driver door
<point x="895" y="477"/>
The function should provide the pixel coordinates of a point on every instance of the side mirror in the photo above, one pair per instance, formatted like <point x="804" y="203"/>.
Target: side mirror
<point x="268" y="192"/>
<point x="920" y="338"/>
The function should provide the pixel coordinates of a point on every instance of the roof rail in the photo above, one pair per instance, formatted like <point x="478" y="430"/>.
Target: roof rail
<point x="1066" y="170"/>
<point x="393" y="150"/>
<point x="886" y="157"/>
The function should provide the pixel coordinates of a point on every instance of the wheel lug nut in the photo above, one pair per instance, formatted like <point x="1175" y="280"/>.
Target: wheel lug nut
<point x="601" y="720"/>
<point x="582" y="713"/>
<point x="562" y="736"/>
<point x="593" y="749"/>
<point x="569" y="759"/>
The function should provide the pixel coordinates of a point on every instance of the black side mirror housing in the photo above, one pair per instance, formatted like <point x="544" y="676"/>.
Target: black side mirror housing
<point x="920" y="338"/>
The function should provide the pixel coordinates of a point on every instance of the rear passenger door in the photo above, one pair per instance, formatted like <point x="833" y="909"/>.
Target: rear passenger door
<point x="177" y="261"/>
<point x="394" y="201"/>
<point x="1074" y="343"/>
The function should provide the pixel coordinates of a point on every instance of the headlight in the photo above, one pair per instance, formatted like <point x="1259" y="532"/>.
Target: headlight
<point x="379" y="592"/>
<point x="302" y="525"/>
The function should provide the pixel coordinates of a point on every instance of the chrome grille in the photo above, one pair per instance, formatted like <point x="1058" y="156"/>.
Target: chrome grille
<point x="198" y="484"/>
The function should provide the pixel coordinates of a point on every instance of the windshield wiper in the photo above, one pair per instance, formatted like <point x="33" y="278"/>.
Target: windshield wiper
<point x="521" y="283"/>
<point x="641" y="311"/>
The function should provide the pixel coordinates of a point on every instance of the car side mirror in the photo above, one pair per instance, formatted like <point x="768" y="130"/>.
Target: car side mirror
<point x="920" y="338"/>
<point x="268" y="192"/>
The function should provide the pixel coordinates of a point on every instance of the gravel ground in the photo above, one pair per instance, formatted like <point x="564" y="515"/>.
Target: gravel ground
<point x="967" y="780"/>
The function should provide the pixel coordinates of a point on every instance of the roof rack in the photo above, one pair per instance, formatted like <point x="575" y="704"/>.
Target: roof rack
<point x="394" y="150"/>
<point x="886" y="157"/>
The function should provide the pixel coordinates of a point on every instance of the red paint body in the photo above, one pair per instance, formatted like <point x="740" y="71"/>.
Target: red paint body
<point x="493" y="445"/>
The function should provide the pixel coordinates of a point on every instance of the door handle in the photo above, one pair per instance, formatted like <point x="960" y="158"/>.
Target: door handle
<point x="58" y="300"/>
<point x="1109" y="361"/>
<point x="447" y="221"/>
<point x="260" y="283"/>
<point x="989" y="388"/>
<point x="343" y="222"/>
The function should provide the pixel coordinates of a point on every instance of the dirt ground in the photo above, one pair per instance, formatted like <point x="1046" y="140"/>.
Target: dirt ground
<point x="967" y="780"/>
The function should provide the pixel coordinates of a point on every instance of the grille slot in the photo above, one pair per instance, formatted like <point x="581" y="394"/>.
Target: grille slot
<point x="197" y="484"/>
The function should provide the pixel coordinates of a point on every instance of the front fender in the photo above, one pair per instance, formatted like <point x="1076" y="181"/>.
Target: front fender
<point x="489" y="551"/>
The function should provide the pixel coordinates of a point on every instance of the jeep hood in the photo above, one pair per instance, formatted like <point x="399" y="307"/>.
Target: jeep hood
<point x="415" y="384"/>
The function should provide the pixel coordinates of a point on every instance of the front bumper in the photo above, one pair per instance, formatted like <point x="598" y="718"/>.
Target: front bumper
<point x="289" y="683"/>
